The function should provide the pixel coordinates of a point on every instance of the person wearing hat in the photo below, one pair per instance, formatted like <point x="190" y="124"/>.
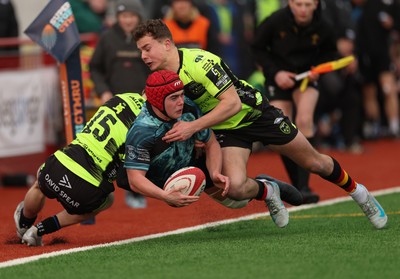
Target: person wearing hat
<point x="116" y="58"/>
<point x="116" y="67"/>
<point x="149" y="161"/>
<point x="188" y="27"/>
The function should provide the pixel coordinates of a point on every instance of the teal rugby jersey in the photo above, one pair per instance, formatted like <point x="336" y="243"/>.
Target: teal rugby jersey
<point x="145" y="149"/>
<point x="206" y="77"/>
<point x="99" y="149"/>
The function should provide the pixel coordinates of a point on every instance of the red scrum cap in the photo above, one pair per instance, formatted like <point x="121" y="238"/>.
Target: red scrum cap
<point x="159" y="85"/>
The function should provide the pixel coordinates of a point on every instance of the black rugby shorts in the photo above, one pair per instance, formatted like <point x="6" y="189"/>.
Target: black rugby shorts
<point x="272" y="127"/>
<point x="76" y="195"/>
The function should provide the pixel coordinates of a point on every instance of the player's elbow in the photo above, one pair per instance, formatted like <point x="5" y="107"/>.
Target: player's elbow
<point x="236" y="107"/>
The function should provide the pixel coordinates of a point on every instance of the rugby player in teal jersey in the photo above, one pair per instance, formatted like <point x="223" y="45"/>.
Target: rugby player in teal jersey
<point x="240" y="115"/>
<point x="150" y="161"/>
<point x="80" y="176"/>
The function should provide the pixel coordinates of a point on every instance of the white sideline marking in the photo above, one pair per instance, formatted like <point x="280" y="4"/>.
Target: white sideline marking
<point x="184" y="230"/>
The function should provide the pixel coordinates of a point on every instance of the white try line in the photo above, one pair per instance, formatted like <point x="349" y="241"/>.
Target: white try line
<point x="184" y="230"/>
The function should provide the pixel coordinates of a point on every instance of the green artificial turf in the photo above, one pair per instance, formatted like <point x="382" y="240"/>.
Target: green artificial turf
<point x="334" y="241"/>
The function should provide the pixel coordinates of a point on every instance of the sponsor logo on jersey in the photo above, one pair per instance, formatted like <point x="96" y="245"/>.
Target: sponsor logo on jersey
<point x="137" y="154"/>
<point x="138" y="102"/>
<point x="208" y="65"/>
<point x="131" y="152"/>
<point x="198" y="58"/>
<point x="119" y="108"/>
<point x="218" y="76"/>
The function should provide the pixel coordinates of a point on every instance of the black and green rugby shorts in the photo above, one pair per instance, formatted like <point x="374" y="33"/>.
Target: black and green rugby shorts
<point x="272" y="127"/>
<point x="76" y="195"/>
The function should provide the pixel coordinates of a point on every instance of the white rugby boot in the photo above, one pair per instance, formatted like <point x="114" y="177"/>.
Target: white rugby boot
<point x="277" y="209"/>
<point x="17" y="215"/>
<point x="31" y="237"/>
<point x="371" y="207"/>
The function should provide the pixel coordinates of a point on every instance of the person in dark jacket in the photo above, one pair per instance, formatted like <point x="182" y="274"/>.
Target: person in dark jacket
<point x="340" y="100"/>
<point x="116" y="59"/>
<point x="289" y="42"/>
<point x="378" y="20"/>
<point x="8" y="24"/>
<point x="116" y="66"/>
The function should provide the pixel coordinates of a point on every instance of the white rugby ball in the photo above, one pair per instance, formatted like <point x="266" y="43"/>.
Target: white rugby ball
<point x="192" y="178"/>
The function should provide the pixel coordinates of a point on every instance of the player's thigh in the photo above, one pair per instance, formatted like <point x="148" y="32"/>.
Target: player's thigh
<point x="301" y="152"/>
<point x="234" y="164"/>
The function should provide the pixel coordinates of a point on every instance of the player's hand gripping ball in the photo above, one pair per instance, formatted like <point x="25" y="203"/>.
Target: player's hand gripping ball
<point x="192" y="178"/>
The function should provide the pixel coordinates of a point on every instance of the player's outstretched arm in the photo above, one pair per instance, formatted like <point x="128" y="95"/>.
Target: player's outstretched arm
<point x="141" y="184"/>
<point x="214" y="164"/>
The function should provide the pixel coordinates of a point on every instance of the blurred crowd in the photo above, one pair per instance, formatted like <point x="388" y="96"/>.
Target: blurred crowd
<point x="357" y="103"/>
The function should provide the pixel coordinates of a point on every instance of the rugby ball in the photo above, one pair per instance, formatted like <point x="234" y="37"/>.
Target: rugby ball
<point x="192" y="178"/>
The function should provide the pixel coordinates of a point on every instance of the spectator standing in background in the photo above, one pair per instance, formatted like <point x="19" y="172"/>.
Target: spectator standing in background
<point x="90" y="15"/>
<point x="227" y="18"/>
<point x="289" y="42"/>
<point x="339" y="108"/>
<point x="376" y="23"/>
<point x="260" y="9"/>
<point x="188" y="27"/>
<point x="160" y="8"/>
<point x="8" y="23"/>
<point x="116" y="66"/>
<point x="91" y="18"/>
<point x="263" y="9"/>
<point x="116" y="59"/>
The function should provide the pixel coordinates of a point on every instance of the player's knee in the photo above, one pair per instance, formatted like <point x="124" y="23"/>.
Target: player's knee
<point x="320" y="165"/>
<point x="35" y="185"/>
<point x="237" y="190"/>
<point x="106" y="204"/>
<point x="110" y="200"/>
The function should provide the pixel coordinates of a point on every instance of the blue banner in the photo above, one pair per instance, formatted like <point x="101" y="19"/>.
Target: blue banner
<point x="55" y="30"/>
<point x="72" y="93"/>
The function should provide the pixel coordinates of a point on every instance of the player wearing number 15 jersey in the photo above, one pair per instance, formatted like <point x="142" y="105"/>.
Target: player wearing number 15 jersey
<point x="80" y="176"/>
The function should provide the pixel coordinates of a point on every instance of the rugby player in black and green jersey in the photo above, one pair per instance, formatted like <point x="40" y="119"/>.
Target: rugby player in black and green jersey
<point x="80" y="176"/>
<point x="240" y="115"/>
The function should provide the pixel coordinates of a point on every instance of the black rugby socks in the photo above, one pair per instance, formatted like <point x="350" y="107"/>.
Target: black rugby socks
<point x="48" y="225"/>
